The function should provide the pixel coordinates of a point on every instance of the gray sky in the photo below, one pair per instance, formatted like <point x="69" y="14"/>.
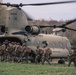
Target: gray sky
<point x="55" y="12"/>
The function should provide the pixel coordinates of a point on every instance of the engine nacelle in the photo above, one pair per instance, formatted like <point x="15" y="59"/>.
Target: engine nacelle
<point x="33" y="29"/>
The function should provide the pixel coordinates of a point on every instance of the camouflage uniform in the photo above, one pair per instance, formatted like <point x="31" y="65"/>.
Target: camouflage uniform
<point x="26" y="51"/>
<point x="18" y="52"/>
<point x="23" y="51"/>
<point x="39" y="54"/>
<point x="72" y="58"/>
<point x="13" y="51"/>
<point x="3" y="52"/>
<point x="10" y="51"/>
<point x="46" y="55"/>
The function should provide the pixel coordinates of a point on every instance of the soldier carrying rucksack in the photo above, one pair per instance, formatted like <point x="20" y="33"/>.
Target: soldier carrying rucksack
<point x="72" y="58"/>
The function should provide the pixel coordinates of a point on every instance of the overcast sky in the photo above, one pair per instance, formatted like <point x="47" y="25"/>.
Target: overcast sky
<point x="55" y="12"/>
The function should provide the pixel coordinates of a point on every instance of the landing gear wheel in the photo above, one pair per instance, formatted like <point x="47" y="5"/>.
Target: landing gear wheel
<point x="61" y="61"/>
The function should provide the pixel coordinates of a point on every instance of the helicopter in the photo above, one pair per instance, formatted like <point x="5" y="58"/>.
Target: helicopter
<point x="16" y="29"/>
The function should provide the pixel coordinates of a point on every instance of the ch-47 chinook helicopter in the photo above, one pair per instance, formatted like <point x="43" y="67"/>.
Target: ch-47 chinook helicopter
<point x="17" y="29"/>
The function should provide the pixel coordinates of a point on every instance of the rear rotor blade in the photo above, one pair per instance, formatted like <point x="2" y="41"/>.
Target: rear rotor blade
<point x="58" y="27"/>
<point x="62" y="26"/>
<point x="70" y="29"/>
<point x="67" y="23"/>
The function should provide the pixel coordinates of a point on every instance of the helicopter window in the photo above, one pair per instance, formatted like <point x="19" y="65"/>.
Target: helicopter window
<point x="53" y="44"/>
<point x="13" y="13"/>
<point x="15" y="18"/>
<point x="61" y="45"/>
<point x="67" y="45"/>
<point x="9" y="17"/>
<point x="45" y="42"/>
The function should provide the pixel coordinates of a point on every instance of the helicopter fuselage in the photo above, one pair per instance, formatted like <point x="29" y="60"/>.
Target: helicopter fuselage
<point x="59" y="45"/>
<point x="16" y="20"/>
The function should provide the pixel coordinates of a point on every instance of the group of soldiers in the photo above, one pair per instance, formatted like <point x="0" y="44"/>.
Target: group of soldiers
<point x="15" y="52"/>
<point x="43" y="54"/>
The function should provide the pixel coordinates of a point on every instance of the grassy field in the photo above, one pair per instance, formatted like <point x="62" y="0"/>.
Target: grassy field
<point x="32" y="69"/>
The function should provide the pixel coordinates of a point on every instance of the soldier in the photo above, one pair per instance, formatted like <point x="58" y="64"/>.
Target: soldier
<point x="10" y="50"/>
<point x="13" y="51"/>
<point x="3" y="48"/>
<point x="39" y="54"/>
<point x="1" y="53"/>
<point x="5" y="54"/>
<point x="72" y="58"/>
<point x="18" y="52"/>
<point x="26" y="51"/>
<point x="46" y="55"/>
<point x="37" y="50"/>
<point x="23" y="51"/>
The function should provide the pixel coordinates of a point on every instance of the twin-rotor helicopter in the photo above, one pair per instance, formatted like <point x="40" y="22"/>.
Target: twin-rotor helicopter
<point x="16" y="29"/>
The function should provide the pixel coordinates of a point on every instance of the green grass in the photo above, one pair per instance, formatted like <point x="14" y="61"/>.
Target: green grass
<point x="32" y="69"/>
